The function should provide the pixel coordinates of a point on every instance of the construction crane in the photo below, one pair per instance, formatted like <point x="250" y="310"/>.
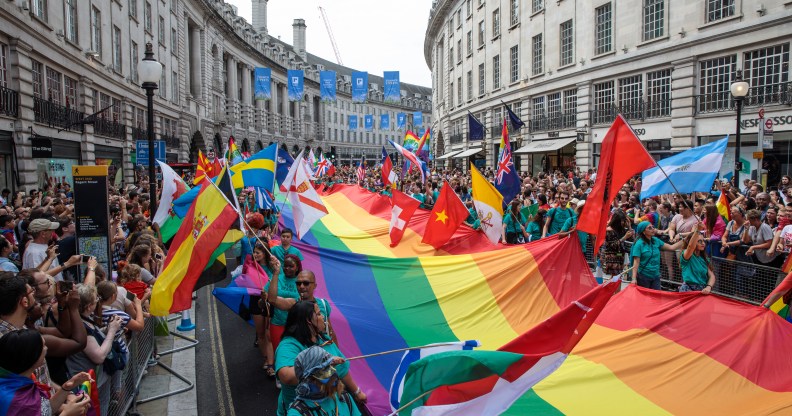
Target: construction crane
<point x="330" y="34"/>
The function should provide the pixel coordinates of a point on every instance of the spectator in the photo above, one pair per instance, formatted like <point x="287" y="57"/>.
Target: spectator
<point x="613" y="251"/>
<point x="683" y="223"/>
<point x="5" y="251"/>
<point x="697" y="274"/>
<point x="36" y="252"/>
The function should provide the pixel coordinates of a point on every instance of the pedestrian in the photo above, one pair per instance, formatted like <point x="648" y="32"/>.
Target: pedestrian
<point x="319" y="390"/>
<point x="286" y="247"/>
<point x="646" y="256"/>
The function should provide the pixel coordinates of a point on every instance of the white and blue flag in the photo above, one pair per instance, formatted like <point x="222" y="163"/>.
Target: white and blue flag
<point x="693" y="170"/>
<point x="411" y="356"/>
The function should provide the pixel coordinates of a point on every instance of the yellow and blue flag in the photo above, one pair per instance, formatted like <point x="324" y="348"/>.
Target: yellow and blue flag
<point x="257" y="171"/>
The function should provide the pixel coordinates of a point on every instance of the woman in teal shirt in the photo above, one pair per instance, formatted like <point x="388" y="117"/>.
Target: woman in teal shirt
<point x="646" y="256"/>
<point x="696" y="274"/>
<point x="513" y="228"/>
<point x="535" y="227"/>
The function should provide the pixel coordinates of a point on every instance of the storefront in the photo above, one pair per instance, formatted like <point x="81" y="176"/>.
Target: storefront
<point x="476" y="158"/>
<point x="54" y="164"/>
<point x="447" y="158"/>
<point x="549" y="155"/>
<point x="8" y="177"/>
<point x="113" y="158"/>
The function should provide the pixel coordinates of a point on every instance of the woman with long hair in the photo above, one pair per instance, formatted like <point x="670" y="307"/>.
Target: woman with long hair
<point x="534" y="230"/>
<point x="696" y="272"/>
<point x="142" y="255"/>
<point x="715" y="229"/>
<point x="513" y="224"/>
<point x="612" y="253"/>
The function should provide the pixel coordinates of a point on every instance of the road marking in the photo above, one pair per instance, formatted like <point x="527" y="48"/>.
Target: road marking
<point x="222" y="368"/>
<point x="215" y="365"/>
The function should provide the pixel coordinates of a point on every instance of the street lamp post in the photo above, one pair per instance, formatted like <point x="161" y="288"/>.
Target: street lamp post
<point x="739" y="89"/>
<point x="150" y="72"/>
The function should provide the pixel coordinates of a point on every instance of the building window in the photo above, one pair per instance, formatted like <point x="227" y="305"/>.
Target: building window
<point x="459" y="51"/>
<point x="482" y="80"/>
<point x="3" y="65"/>
<point x="96" y="31"/>
<point x="570" y="108"/>
<point x="54" y="91"/>
<point x="70" y="91"/>
<point x="469" y="43"/>
<point x="70" y="15"/>
<point x="133" y="8"/>
<point x="719" y="9"/>
<point x="147" y="16"/>
<point x="514" y="12"/>
<point x="481" y="34"/>
<point x="603" y="29"/>
<point x="514" y="67"/>
<point x="451" y="95"/>
<point x="603" y="103"/>
<point x="40" y="9"/>
<point x="538" y="5"/>
<point x="450" y="30"/>
<point x="496" y="72"/>
<point x="496" y="23"/>
<point x="161" y="30"/>
<point x="631" y="96"/>
<point x="116" y="48"/>
<point x="451" y="58"/>
<point x="654" y="19"/>
<point x="37" y="69"/>
<point x="767" y="71"/>
<point x="538" y="65"/>
<point x="567" y="43"/>
<point x="459" y="18"/>
<point x="134" y="61"/>
<point x="459" y="91"/>
<point x="174" y="42"/>
<point x="175" y="87"/>
<point x="714" y="82"/>
<point x="538" y="110"/>
<point x="470" y="85"/>
<point x="554" y="111"/>
<point x="468" y="8"/>
<point x="658" y="94"/>
<point x="163" y="90"/>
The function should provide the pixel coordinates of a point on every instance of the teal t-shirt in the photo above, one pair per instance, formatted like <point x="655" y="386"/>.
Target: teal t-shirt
<point x="559" y="217"/>
<point x="583" y="237"/>
<point x="280" y="253"/>
<point x="328" y="406"/>
<point x="534" y="230"/>
<point x="285" y="356"/>
<point x="694" y="270"/>
<point x="473" y="219"/>
<point x="649" y="254"/>
<point x="509" y="223"/>
<point x="287" y="288"/>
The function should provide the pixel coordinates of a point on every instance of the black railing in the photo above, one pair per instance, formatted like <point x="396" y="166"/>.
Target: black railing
<point x="641" y="110"/>
<point x="139" y="133"/>
<point x="9" y="102"/>
<point x="56" y="115"/>
<point x="109" y="128"/>
<point x="457" y="138"/>
<point x="775" y="94"/>
<point x="172" y="141"/>
<point x="555" y="121"/>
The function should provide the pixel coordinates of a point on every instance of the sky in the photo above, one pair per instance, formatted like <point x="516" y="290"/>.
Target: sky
<point x="372" y="35"/>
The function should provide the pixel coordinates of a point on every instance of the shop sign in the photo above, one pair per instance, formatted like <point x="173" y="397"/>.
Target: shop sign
<point x="42" y="147"/>
<point x="781" y="120"/>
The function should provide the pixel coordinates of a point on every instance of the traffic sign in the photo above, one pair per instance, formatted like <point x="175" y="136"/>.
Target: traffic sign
<point x="142" y="155"/>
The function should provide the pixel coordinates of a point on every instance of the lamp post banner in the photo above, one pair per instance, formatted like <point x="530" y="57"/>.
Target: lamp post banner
<point x="368" y="122"/>
<point x="359" y="86"/>
<point x="353" y="122"/>
<point x="296" y="84"/>
<point x="327" y="85"/>
<point x="401" y="120"/>
<point x="385" y="121"/>
<point x="263" y="85"/>
<point x="392" y="89"/>
<point x="417" y="119"/>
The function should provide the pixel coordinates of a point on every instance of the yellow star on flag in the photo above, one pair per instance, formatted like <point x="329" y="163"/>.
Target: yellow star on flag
<point x="441" y="216"/>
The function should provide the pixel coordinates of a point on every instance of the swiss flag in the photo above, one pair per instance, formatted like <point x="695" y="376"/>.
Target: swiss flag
<point x="403" y="209"/>
<point x="446" y="216"/>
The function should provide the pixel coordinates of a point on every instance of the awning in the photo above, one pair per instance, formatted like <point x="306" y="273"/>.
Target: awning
<point x="467" y="153"/>
<point x="541" y="146"/>
<point x="449" y="154"/>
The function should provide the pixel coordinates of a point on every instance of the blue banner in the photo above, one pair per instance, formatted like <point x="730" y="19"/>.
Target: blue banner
<point x="391" y="89"/>
<point x="385" y="121"/>
<point x="417" y="119"/>
<point x="353" y="122"/>
<point x="263" y="84"/>
<point x="327" y="85"/>
<point x="401" y="120"/>
<point x="359" y="86"/>
<point x="368" y="122"/>
<point x="296" y="84"/>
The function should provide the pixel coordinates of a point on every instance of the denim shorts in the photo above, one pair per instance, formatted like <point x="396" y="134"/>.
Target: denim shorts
<point x="648" y="282"/>
<point x="691" y="287"/>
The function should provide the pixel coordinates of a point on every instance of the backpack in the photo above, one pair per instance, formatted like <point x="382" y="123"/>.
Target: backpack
<point x="306" y="410"/>
<point x="117" y="358"/>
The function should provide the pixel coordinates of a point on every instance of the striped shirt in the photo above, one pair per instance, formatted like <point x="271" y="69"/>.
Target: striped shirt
<point x="107" y="313"/>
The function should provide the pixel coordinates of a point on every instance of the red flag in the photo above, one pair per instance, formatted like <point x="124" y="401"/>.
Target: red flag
<point x="622" y="157"/>
<point x="446" y="216"/>
<point x="387" y="171"/>
<point x="404" y="207"/>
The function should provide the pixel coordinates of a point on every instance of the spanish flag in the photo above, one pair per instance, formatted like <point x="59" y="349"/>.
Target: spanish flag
<point x="203" y="230"/>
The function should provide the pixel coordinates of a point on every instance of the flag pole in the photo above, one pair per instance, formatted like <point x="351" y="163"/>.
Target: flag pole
<point x="396" y="412"/>
<point x="376" y="354"/>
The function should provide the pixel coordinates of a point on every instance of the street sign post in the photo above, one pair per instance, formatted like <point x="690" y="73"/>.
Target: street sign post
<point x="141" y="152"/>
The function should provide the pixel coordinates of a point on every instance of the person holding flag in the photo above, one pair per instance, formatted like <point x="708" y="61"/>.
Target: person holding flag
<point x="506" y="179"/>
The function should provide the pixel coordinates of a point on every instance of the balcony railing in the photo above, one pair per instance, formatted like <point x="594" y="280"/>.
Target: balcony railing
<point x="172" y="141"/>
<point x="775" y="94"/>
<point x="9" y="102"/>
<point x="139" y="133"/>
<point x="555" y="121"/>
<point x="109" y="128"/>
<point x="56" y="115"/>
<point x="641" y="110"/>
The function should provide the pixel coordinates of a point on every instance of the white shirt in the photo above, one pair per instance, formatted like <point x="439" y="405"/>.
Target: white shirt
<point x="35" y="254"/>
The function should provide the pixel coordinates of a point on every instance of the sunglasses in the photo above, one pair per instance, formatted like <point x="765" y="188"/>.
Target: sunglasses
<point x="303" y="283"/>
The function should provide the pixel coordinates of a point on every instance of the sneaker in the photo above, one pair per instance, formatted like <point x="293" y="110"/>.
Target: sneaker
<point x="151" y="362"/>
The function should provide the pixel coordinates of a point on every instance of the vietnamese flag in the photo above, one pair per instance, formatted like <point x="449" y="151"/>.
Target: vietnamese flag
<point x="622" y="157"/>
<point x="404" y="207"/>
<point x="446" y="216"/>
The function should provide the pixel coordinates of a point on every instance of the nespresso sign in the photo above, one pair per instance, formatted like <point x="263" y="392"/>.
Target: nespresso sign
<point x="42" y="148"/>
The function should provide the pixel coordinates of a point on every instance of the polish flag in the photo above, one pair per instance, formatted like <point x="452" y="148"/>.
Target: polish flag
<point x="404" y="207"/>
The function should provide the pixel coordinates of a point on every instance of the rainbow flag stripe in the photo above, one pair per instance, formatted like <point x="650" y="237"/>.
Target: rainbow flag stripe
<point x="648" y="353"/>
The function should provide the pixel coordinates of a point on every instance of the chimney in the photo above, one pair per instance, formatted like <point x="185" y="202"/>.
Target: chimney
<point x="298" y="39"/>
<point x="260" y="15"/>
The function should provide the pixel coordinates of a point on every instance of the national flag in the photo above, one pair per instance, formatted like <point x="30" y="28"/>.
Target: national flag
<point x="411" y="356"/>
<point x="312" y="160"/>
<point x="324" y="166"/>
<point x="307" y="206"/>
<point x="284" y="164"/>
<point x="722" y="204"/>
<point x="202" y="169"/>
<point x="389" y="177"/>
<point x="447" y="215"/>
<point x="488" y="382"/>
<point x="691" y="171"/>
<point x="404" y="207"/>
<point x="506" y="179"/>
<point x="423" y="146"/>
<point x="410" y="141"/>
<point x="622" y="157"/>
<point x="784" y="294"/>
<point x="234" y="156"/>
<point x="201" y="232"/>
<point x="361" y="169"/>
<point x="264" y="199"/>
<point x="257" y="171"/>
<point x="172" y="188"/>
<point x="475" y="128"/>
<point x="489" y="205"/>
<point x="412" y="158"/>
<point x="515" y="121"/>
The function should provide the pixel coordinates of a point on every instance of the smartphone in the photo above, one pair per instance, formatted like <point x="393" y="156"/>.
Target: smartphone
<point x="65" y="286"/>
<point x="85" y="258"/>
<point x="130" y="296"/>
<point x="158" y="256"/>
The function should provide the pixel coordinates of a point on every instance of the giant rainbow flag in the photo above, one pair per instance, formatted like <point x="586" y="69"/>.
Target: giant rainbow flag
<point x="648" y="353"/>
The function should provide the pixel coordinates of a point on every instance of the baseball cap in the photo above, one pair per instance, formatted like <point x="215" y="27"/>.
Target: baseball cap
<point x="41" y="224"/>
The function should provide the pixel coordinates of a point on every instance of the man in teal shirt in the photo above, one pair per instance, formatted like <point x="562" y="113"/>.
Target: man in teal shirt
<point x="286" y="248"/>
<point x="557" y="216"/>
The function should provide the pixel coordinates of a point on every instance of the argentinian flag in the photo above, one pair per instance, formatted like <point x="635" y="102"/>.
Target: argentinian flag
<point x="693" y="170"/>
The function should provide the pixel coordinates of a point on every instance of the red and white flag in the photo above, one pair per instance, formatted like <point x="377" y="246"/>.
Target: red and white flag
<point x="404" y="207"/>
<point x="389" y="177"/>
<point x="361" y="169"/>
<point x="307" y="206"/>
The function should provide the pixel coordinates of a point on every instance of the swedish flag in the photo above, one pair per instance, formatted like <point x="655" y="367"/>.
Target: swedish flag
<point x="258" y="170"/>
